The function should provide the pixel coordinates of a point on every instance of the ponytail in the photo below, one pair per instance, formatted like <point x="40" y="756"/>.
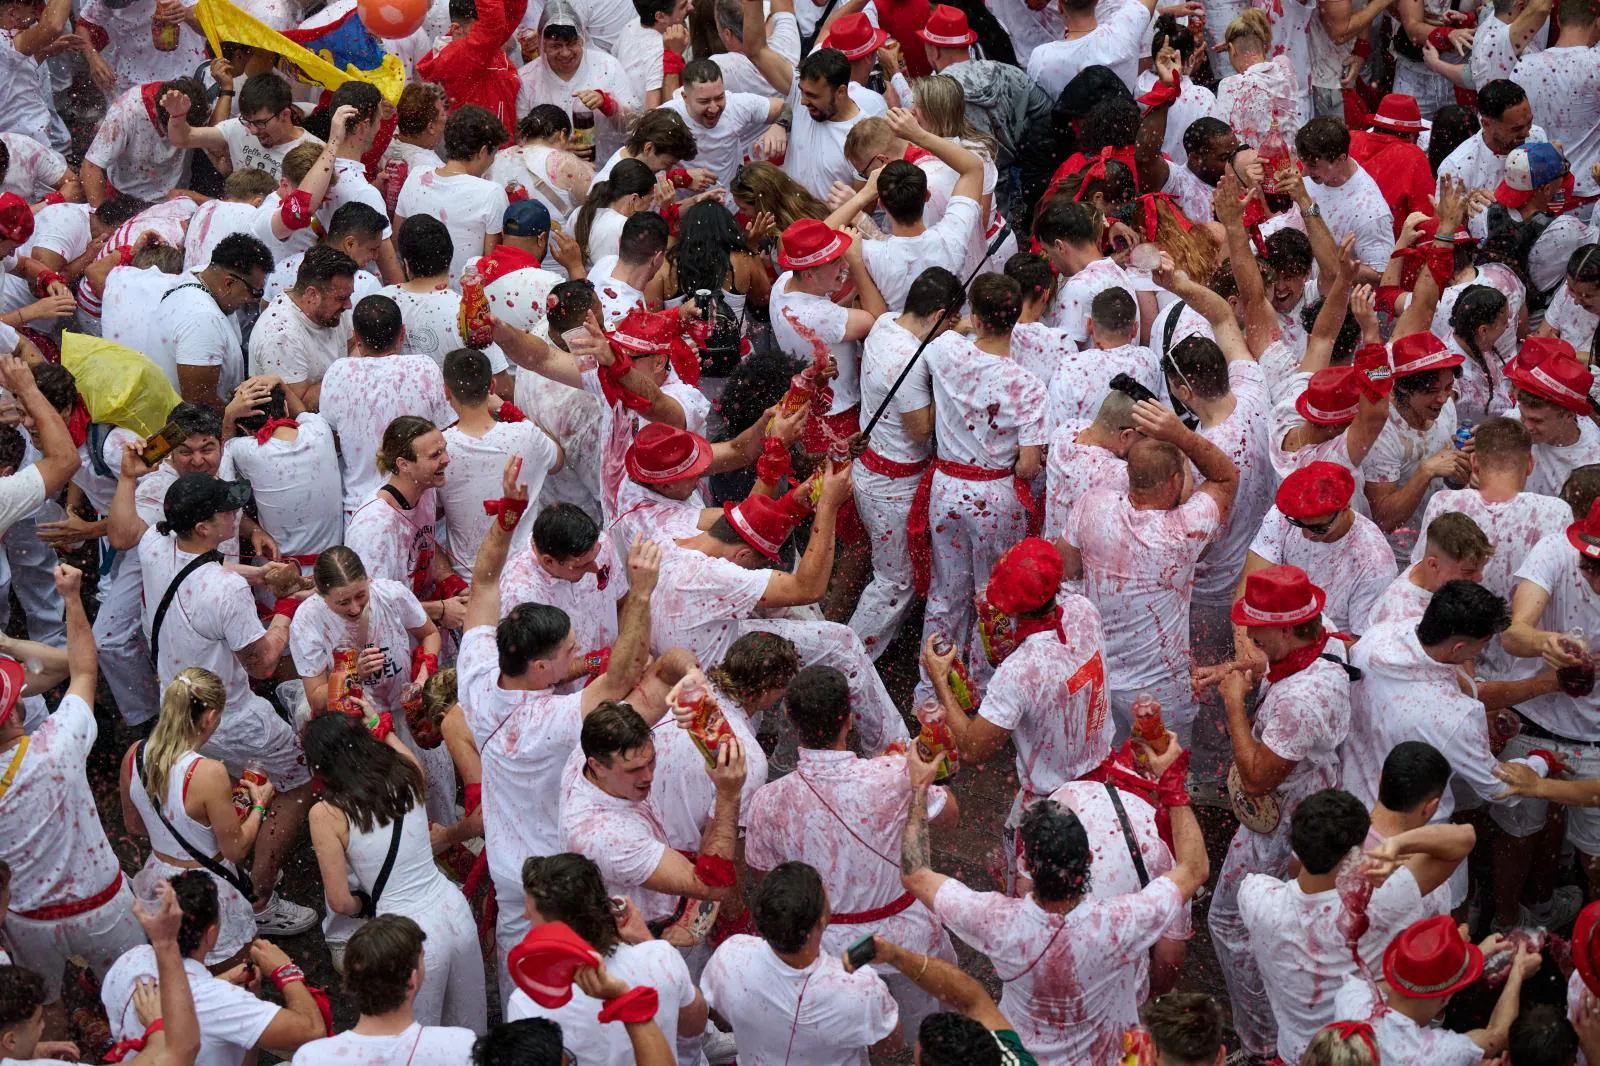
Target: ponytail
<point x="628" y="178"/>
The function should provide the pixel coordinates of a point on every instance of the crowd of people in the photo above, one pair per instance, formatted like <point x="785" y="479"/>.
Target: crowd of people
<point x="524" y="497"/>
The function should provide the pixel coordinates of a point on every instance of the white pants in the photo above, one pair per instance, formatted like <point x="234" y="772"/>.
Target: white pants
<point x="31" y="564"/>
<point x="99" y="937"/>
<point x="510" y="926"/>
<point x="1431" y="90"/>
<point x="119" y="634"/>
<point x="973" y="523"/>
<point x="1248" y="853"/>
<point x="884" y="504"/>
<point x="454" y="992"/>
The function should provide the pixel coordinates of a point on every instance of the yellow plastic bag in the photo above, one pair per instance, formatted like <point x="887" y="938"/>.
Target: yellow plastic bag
<point x="120" y="385"/>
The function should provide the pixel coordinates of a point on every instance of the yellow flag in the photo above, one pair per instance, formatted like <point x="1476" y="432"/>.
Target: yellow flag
<point x="222" y="21"/>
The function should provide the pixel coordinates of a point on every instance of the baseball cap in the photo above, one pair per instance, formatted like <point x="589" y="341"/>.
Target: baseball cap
<point x="194" y="498"/>
<point x="526" y="218"/>
<point x="1529" y="167"/>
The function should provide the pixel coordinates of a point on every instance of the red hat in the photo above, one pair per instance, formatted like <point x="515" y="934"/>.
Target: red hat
<point x="855" y="36"/>
<point x="544" y="963"/>
<point x="1317" y="488"/>
<point x="1586" y="946"/>
<point x="1429" y="960"/>
<point x="1421" y="353"/>
<point x="12" y="680"/>
<point x="641" y="332"/>
<point x="1332" y="397"/>
<point x="661" y="454"/>
<point x="947" y="28"/>
<point x="1280" y="595"/>
<point x="810" y="242"/>
<point x="16" y="218"/>
<point x="1026" y="577"/>
<point x="1584" y="534"/>
<point x="1548" y="367"/>
<point x="763" y="522"/>
<point x="1398" y="113"/>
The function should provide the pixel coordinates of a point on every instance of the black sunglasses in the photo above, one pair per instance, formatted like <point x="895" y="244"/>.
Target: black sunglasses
<point x="1316" y="529"/>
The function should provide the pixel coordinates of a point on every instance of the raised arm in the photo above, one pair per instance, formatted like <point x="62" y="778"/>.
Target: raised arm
<point x="176" y="103"/>
<point x="776" y="69"/>
<point x="809" y="581"/>
<point x="941" y="980"/>
<point x="1209" y="303"/>
<point x="967" y="164"/>
<point x="1150" y="164"/>
<point x="1158" y="422"/>
<point x="59" y="460"/>
<point x="1260" y="320"/>
<point x="630" y="652"/>
<point x="82" y="658"/>
<point x="483" y="603"/>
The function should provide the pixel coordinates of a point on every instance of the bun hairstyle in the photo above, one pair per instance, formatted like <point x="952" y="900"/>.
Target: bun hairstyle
<point x="400" y="441"/>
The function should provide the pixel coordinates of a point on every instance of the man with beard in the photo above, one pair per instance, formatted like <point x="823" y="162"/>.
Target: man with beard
<point x="303" y="331"/>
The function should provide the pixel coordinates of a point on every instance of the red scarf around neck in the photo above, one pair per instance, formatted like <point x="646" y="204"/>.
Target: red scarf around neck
<point x="1297" y="661"/>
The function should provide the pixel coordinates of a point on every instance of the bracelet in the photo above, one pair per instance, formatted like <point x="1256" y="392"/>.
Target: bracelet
<point x="287" y="974"/>
<point x="924" y="967"/>
<point x="224" y="92"/>
<point x="259" y="807"/>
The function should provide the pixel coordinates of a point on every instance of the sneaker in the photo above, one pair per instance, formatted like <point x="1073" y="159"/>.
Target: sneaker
<point x="719" y="1047"/>
<point x="1562" y="907"/>
<point x="283" y="918"/>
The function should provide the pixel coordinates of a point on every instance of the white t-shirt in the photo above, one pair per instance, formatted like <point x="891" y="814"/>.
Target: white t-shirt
<point x="298" y="494"/>
<point x="816" y="1016"/>
<point x="287" y="343"/>
<point x="654" y="964"/>
<point x="590" y="603"/>
<point x="1403" y="600"/>
<point x="25" y="82"/>
<point x="1040" y="349"/>
<point x="739" y="75"/>
<point x="211" y="619"/>
<point x="351" y="186"/>
<point x="1116" y="42"/>
<point x="21" y="494"/>
<point x="214" y="220"/>
<point x="884" y="354"/>
<point x="699" y="601"/>
<point x="985" y="407"/>
<point x="287" y="272"/>
<point x="362" y="395"/>
<point x="625" y="838"/>
<point x="394" y="543"/>
<point x="472" y="208"/>
<point x="137" y="158"/>
<point x="1070" y="312"/>
<point x="1492" y="53"/>
<point x="392" y="612"/>
<point x="640" y="50"/>
<point x="1552" y="565"/>
<point x="1027" y="28"/>
<point x="1552" y="463"/>
<point x="416" y="1045"/>
<point x="1357" y="207"/>
<point x="1476" y="164"/>
<point x="1353" y="570"/>
<point x="1242" y="436"/>
<point x="802" y="322"/>
<point x="132" y="54"/>
<point x="476" y="467"/>
<point x="1400" y="1040"/>
<point x="541" y="85"/>
<point x="617" y="297"/>
<point x="59" y="228"/>
<point x="433" y="326"/>
<point x="815" y="157"/>
<point x="896" y="262"/>
<point x="1397" y="453"/>
<point x="246" y="151"/>
<point x="1562" y="84"/>
<point x="1072" y="470"/>
<point x="232" y="1018"/>
<point x="722" y="148"/>
<point x="1083" y="378"/>
<point x="193" y="331"/>
<point x="1570" y="321"/>
<point x="35" y="168"/>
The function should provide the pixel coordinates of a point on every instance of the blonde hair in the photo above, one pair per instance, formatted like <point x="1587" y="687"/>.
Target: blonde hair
<point x="1194" y="250"/>
<point x="770" y="189"/>
<point x="192" y="693"/>
<point x="1328" y="1048"/>
<point x="942" y="103"/>
<point x="1251" y="23"/>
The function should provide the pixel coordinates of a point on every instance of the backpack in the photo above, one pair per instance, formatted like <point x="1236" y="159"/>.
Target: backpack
<point x="1516" y="240"/>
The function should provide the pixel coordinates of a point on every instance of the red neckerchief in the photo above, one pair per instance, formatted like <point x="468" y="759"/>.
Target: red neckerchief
<point x="264" y="434"/>
<point x="78" y="423"/>
<point x="147" y="93"/>
<point x="1297" y="661"/>
<point x="915" y="154"/>
<point x="503" y="260"/>
<point x="1023" y="628"/>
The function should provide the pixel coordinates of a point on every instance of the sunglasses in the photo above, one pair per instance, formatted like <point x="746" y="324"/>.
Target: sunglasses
<point x="254" y="292"/>
<point x="1316" y="529"/>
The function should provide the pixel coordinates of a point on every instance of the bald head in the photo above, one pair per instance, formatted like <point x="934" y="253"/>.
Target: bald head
<point x="1116" y="412"/>
<point x="1152" y="464"/>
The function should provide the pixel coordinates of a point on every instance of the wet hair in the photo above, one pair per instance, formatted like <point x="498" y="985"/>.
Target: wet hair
<point x="1325" y="827"/>
<point x="758" y="382"/>
<point x="366" y="779"/>
<point x="337" y="567"/>
<point x="425" y="246"/>
<point x="1153" y="463"/>
<point x="568" y="888"/>
<point x="628" y="178"/>
<point x="377" y="322"/>
<point x="1289" y="252"/>
<point x="197" y="420"/>
<point x="199" y="108"/>
<point x="467" y="375"/>
<point x="1114" y="310"/>
<point x="418" y="107"/>
<point x="321" y="265"/>
<point x="379" y="961"/>
<point x="1324" y="139"/>
<point x="355" y="219"/>
<point x="995" y="301"/>
<point x="1541" y="1035"/>
<point x="708" y="237"/>
<point x="543" y="122"/>
<point x="1198" y="361"/>
<point x="1056" y="850"/>
<point x="532" y="631"/>
<point x="361" y="95"/>
<point x="1186" y="1027"/>
<point x="1581" y="489"/>
<point x="247" y="182"/>
<point x="826" y="64"/>
<point x="1501" y="443"/>
<point x="1414" y="772"/>
<point x="1201" y="132"/>
<point x="59" y="387"/>
<point x="1452" y="125"/>
<point x="1408" y="385"/>
<point x="525" y="1042"/>
<point x="265" y="92"/>
<point x="21" y="996"/>
<point x="276" y="406"/>
<point x="644" y="234"/>
<point x="468" y="131"/>
<point x="755" y="663"/>
<point x="1475" y="307"/>
<point x="242" y="253"/>
<point x="1497" y="97"/>
<point x="1067" y="220"/>
<point x="1583" y="265"/>
<point x="196" y="891"/>
<point x="950" y="1039"/>
<point x="903" y="191"/>
<point x="1457" y="537"/>
<point x="1462" y="610"/>
<point x="400" y="441"/>
<point x="700" y="72"/>
<point x="1033" y="273"/>
<point x="1111" y="123"/>
<point x="569" y="304"/>
<point x="612" y="729"/>
<point x="565" y="531"/>
<point x="935" y="290"/>
<point x="664" y="129"/>
<point x="463" y="11"/>
<point x="787" y="906"/>
<point x="817" y="701"/>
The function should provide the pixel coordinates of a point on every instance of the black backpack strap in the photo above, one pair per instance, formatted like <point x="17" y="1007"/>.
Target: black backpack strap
<point x="1127" y="835"/>
<point x="398" y="496"/>
<point x="212" y="556"/>
<point x="1171" y="327"/>
<point x="1353" y="672"/>
<point x="185" y="285"/>
<point x="369" y="900"/>
<point x="207" y="862"/>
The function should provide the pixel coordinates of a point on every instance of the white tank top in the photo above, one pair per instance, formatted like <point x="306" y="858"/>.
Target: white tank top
<point x="536" y="159"/>
<point x="415" y="883"/>
<point x="161" y="839"/>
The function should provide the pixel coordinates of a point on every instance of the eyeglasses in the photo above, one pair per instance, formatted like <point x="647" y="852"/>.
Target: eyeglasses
<point x="568" y="1058"/>
<point x="1315" y="529"/>
<point x="254" y="292"/>
<point x="256" y="125"/>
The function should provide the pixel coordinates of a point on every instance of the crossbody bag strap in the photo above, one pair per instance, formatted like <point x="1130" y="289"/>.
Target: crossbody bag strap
<point x="212" y="556"/>
<point x="1172" y="326"/>
<point x="207" y="862"/>
<point x="388" y="861"/>
<point x="1127" y="835"/>
<point x="836" y="817"/>
<point x="16" y="764"/>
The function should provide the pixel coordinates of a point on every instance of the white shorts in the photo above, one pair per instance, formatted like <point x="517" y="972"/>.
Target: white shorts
<point x="99" y="937"/>
<point x="254" y="736"/>
<point x="1527" y="817"/>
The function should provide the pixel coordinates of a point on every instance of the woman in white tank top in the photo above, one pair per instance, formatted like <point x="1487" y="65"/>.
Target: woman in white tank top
<point x="196" y="796"/>
<point x="368" y="786"/>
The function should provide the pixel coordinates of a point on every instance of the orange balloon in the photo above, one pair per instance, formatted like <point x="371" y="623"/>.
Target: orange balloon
<point x="392" y="18"/>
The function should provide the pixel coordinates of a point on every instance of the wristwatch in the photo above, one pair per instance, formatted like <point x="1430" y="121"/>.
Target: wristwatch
<point x="1314" y="211"/>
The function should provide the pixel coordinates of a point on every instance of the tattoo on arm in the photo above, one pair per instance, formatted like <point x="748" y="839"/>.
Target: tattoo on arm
<point x="914" y="843"/>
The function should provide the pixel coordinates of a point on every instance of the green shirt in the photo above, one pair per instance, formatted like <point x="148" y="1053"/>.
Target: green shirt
<point x="1012" y="1053"/>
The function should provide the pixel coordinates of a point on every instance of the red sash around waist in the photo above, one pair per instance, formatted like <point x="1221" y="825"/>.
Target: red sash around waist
<point x="920" y="531"/>
<point x="61" y="911"/>
<point x="889" y="468"/>
<point x="876" y="914"/>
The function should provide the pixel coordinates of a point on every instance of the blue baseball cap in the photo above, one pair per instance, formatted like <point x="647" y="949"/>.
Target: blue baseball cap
<point x="526" y="218"/>
<point x="1529" y="167"/>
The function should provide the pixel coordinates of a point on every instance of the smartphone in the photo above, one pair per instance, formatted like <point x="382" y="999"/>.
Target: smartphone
<point x="157" y="447"/>
<point x="860" y="953"/>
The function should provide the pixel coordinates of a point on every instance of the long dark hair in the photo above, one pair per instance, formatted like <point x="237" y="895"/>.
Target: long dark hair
<point x="628" y="178"/>
<point x="362" y="776"/>
<point x="707" y="239"/>
<point x="1478" y="305"/>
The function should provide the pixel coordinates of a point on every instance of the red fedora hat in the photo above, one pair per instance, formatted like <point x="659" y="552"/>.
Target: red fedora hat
<point x="543" y="965"/>
<point x="810" y="242"/>
<point x="1280" y="595"/>
<point x="947" y="28"/>
<point x="1398" y="113"/>
<point x="855" y="36"/>
<point x="1332" y="397"/>
<point x="763" y="522"/>
<point x="661" y="454"/>
<point x="1429" y="960"/>
<point x="1419" y="353"/>
<point x="1548" y="367"/>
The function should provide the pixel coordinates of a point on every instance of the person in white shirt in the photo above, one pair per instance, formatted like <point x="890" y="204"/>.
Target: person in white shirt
<point x="1080" y="380"/>
<point x="568" y="888"/>
<point x="32" y="169"/>
<point x="419" y="126"/>
<point x="580" y="77"/>
<point x="621" y="276"/>
<point x="357" y="230"/>
<point x="1551" y="389"/>
<point x="199" y="328"/>
<point x="1193" y="101"/>
<point x="24" y="488"/>
<point x="643" y="43"/>
<point x="303" y="332"/>
<point x="1067" y="960"/>
<point x="543" y="165"/>
<point x="457" y="193"/>
<point x="292" y="467"/>
<point x="429" y="301"/>
<point x="262" y="134"/>
<point x="243" y="192"/>
<point x="1507" y="120"/>
<point x="901" y="188"/>
<point x="131" y="153"/>
<point x="1115" y="40"/>
<point x="1346" y="196"/>
<point x="726" y="125"/>
<point x="1561" y="82"/>
<point x="1453" y="548"/>
<point x="384" y="972"/>
<point x="782" y="994"/>
<point x="1069" y="235"/>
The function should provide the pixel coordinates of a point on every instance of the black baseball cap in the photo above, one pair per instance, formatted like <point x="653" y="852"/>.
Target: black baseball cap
<point x="194" y="498"/>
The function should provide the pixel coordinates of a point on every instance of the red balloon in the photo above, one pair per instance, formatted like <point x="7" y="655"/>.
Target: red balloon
<point x="392" y="18"/>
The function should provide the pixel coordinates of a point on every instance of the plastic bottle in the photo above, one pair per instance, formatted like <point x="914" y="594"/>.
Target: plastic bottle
<point x="164" y="35"/>
<point x="395" y="172"/>
<point x="1148" y="726"/>
<point x="934" y="739"/>
<point x="1463" y="435"/>
<point x="960" y="680"/>
<point x="1273" y="153"/>
<point x="474" y="320"/>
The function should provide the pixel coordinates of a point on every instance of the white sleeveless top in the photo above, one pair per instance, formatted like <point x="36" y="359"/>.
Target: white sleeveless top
<point x="415" y="883"/>
<point x="161" y="839"/>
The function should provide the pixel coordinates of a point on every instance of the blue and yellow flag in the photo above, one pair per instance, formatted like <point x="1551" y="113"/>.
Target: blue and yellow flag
<point x="337" y="43"/>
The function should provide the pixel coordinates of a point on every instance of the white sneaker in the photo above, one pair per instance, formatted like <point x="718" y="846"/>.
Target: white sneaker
<point x="1562" y="907"/>
<point x="284" y="918"/>
<point x="719" y="1047"/>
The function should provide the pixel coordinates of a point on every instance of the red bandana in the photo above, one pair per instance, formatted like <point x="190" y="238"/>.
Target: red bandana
<point x="78" y="423"/>
<point x="1023" y="628"/>
<point x="1297" y="661"/>
<point x="503" y="260"/>
<point x="264" y="434"/>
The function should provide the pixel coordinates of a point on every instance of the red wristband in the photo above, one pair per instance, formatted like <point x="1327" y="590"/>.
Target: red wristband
<point x="286" y="606"/>
<point x="420" y="659"/>
<point x="380" y="727"/>
<point x="775" y="463"/>
<point x="608" y="103"/>
<point x="53" y="198"/>
<point x="679" y="177"/>
<point x="295" y="212"/>
<point x="473" y="794"/>
<point x="671" y="63"/>
<point x="454" y="585"/>
<point x="287" y="974"/>
<point x="635" y="1006"/>
<point x="714" y="870"/>
<point x="1556" y="764"/>
<point x="44" y="279"/>
<point x="508" y="512"/>
<point x="1172" y="788"/>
